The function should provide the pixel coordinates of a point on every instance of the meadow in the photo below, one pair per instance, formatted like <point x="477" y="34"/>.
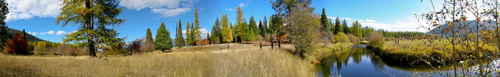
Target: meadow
<point x="208" y="61"/>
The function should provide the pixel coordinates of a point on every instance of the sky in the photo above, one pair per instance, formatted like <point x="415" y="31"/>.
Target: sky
<point x="38" y="17"/>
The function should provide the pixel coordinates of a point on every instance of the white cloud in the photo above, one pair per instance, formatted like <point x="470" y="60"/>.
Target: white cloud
<point x="242" y="5"/>
<point x="333" y="18"/>
<point x="166" y="8"/>
<point x="26" y="9"/>
<point x="170" y="12"/>
<point x="203" y="31"/>
<point x="61" y="32"/>
<point x="72" y="32"/>
<point x="32" y="33"/>
<point x="408" y="25"/>
<point x="51" y="32"/>
<point x="42" y="33"/>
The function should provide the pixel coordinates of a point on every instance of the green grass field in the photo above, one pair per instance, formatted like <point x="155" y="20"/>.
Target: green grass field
<point x="240" y="60"/>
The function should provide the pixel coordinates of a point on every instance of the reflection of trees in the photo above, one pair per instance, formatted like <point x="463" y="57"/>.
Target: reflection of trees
<point x="377" y="63"/>
<point x="356" y="54"/>
<point x="342" y="57"/>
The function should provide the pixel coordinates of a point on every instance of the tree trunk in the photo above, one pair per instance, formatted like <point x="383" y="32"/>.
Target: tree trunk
<point x="89" y="27"/>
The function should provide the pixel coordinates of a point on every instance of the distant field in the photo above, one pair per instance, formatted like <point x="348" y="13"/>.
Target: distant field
<point x="239" y="60"/>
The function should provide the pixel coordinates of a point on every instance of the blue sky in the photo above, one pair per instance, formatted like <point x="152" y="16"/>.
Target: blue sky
<point x="38" y="16"/>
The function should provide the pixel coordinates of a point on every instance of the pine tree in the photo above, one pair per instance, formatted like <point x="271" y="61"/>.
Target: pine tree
<point x="4" y="36"/>
<point x="346" y="28"/>
<point x="163" y="41"/>
<point x="354" y="29"/>
<point x="264" y="23"/>
<point x="253" y="26"/>
<point x="24" y="34"/>
<point x="338" y="26"/>
<point x="208" y="38"/>
<point x="263" y="29"/>
<point x="240" y="24"/>
<point x="188" y="34"/>
<point x="324" y="22"/>
<point x="196" y="30"/>
<point x="88" y="13"/>
<point x="216" y="32"/>
<point x="149" y="37"/>
<point x="227" y="32"/>
<point x="179" y="39"/>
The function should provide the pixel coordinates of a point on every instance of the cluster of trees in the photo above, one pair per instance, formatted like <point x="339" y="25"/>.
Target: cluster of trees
<point x="242" y="31"/>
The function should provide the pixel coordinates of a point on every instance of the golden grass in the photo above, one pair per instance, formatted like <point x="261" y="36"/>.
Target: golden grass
<point x="240" y="60"/>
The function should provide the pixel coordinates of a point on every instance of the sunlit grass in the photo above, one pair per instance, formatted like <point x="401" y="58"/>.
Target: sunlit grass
<point x="408" y="50"/>
<point x="240" y="60"/>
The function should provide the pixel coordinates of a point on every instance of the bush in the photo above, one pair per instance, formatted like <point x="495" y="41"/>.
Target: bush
<point x="259" y="38"/>
<point x="58" y="50"/>
<point x="341" y="38"/>
<point x="354" y="40"/>
<point x="134" y="46"/>
<point x="17" y="45"/>
<point x="148" y="47"/>
<point x="40" y="48"/>
<point x="376" y="40"/>
<point x="205" y="42"/>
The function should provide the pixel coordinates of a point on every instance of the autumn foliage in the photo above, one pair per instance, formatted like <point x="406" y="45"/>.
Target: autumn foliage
<point x="205" y="42"/>
<point x="17" y="45"/>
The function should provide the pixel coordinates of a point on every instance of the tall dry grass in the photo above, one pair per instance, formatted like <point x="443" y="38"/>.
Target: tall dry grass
<point x="240" y="60"/>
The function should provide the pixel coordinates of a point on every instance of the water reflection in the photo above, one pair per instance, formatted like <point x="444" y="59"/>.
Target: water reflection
<point x="360" y="62"/>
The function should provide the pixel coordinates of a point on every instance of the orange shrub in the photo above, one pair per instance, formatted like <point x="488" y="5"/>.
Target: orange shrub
<point x="205" y="42"/>
<point x="17" y="45"/>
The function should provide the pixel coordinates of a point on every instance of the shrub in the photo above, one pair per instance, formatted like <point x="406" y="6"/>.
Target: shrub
<point x="341" y="38"/>
<point x="259" y="38"/>
<point x="71" y="51"/>
<point x="354" y="39"/>
<point x="134" y="46"/>
<point x="40" y="48"/>
<point x="58" y="50"/>
<point x="205" y="42"/>
<point x="148" y="47"/>
<point x="376" y="40"/>
<point x="17" y="45"/>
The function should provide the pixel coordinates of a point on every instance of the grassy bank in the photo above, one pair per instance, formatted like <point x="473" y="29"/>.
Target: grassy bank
<point x="240" y="60"/>
<point x="408" y="51"/>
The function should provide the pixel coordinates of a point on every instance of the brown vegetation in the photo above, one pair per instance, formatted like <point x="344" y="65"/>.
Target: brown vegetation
<point x="240" y="60"/>
<point x="17" y="45"/>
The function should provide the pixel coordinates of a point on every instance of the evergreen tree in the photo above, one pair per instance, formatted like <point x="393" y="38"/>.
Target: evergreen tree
<point x="163" y="41"/>
<point x="4" y="36"/>
<point x="332" y="26"/>
<point x="216" y="32"/>
<point x="240" y="24"/>
<point x="196" y="30"/>
<point x="355" y="29"/>
<point x="24" y="34"/>
<point x="253" y="26"/>
<point x="188" y="34"/>
<point x="252" y="35"/>
<point x="324" y="22"/>
<point x="208" y="38"/>
<point x="346" y="28"/>
<point x="263" y="29"/>
<point x="149" y="37"/>
<point x="264" y="23"/>
<point x="227" y="32"/>
<point x="179" y="39"/>
<point x="278" y="24"/>
<point x="338" y="26"/>
<point x="88" y="13"/>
